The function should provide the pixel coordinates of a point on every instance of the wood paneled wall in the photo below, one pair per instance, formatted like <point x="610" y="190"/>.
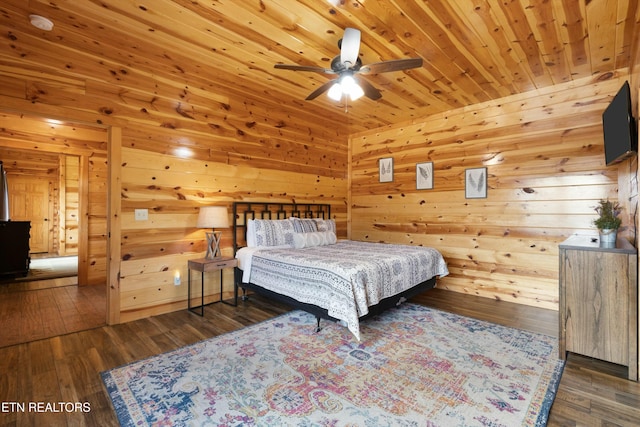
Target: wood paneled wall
<point x="172" y="162"/>
<point x="173" y="185"/>
<point x="172" y="182"/>
<point x="544" y="156"/>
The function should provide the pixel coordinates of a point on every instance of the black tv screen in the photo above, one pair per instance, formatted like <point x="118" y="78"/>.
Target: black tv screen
<point x="620" y="136"/>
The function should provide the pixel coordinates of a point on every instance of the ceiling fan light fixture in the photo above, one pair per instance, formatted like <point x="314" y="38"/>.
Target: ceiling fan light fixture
<point x="345" y="86"/>
<point x="347" y="65"/>
<point x="350" y="87"/>
<point x="356" y="92"/>
<point x="348" y="82"/>
<point x="335" y="92"/>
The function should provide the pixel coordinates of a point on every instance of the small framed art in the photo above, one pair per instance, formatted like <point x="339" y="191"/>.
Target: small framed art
<point x="424" y="176"/>
<point x="475" y="183"/>
<point x="385" y="166"/>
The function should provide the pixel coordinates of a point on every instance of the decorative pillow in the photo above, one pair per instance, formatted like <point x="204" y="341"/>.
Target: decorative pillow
<point x="325" y="224"/>
<point x="273" y="232"/>
<point x="251" y="233"/>
<point x="304" y="225"/>
<point x="318" y="238"/>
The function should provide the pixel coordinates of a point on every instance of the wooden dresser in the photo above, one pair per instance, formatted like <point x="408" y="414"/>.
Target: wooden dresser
<point x="14" y="248"/>
<point x="599" y="301"/>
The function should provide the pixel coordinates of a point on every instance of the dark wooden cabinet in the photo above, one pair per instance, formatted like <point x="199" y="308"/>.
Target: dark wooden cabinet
<point x="599" y="301"/>
<point x="14" y="248"/>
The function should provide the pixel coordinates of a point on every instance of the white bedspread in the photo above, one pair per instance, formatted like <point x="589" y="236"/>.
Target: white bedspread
<point x="345" y="278"/>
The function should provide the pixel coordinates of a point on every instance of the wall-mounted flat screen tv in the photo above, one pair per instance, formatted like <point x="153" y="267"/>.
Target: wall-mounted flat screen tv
<point x="620" y="133"/>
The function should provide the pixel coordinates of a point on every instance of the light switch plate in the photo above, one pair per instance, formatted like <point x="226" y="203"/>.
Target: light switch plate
<point x="142" y="214"/>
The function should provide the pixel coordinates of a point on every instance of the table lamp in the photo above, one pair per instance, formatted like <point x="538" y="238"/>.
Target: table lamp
<point x="213" y="217"/>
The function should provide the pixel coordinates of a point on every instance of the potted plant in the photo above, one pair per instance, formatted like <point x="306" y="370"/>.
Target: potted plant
<point x="608" y="221"/>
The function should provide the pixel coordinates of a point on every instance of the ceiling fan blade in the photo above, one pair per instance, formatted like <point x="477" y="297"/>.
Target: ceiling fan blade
<point x="369" y="90"/>
<point x="350" y="47"/>
<point x="393" y="65"/>
<point x="323" y="88"/>
<point x="304" y="68"/>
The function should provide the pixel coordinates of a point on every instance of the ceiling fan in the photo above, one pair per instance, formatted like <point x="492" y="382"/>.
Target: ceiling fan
<point x="347" y="66"/>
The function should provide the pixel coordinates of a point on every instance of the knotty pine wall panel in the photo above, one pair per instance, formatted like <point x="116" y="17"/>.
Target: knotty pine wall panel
<point x="185" y="144"/>
<point x="172" y="189"/>
<point x="544" y="156"/>
<point x="97" y="215"/>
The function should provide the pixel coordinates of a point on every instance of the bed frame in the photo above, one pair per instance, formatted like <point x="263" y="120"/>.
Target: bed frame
<point x="243" y="211"/>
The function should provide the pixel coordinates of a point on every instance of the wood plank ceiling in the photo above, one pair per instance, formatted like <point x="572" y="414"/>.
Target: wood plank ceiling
<point x="213" y="51"/>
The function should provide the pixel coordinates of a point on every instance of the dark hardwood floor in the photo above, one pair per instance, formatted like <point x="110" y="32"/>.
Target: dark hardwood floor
<point x="40" y="309"/>
<point x="66" y="368"/>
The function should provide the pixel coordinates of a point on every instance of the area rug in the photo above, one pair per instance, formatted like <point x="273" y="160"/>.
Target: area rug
<point x="413" y="366"/>
<point x="47" y="268"/>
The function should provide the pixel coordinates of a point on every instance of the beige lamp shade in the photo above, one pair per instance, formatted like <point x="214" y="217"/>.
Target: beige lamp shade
<point x="213" y="217"/>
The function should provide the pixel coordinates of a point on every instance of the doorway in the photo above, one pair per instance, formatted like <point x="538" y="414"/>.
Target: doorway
<point x="71" y="218"/>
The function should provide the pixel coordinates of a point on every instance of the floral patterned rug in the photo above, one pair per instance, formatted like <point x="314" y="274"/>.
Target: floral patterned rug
<point x="413" y="366"/>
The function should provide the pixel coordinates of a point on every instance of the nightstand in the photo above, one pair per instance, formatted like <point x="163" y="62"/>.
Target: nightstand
<point x="599" y="301"/>
<point x="204" y="265"/>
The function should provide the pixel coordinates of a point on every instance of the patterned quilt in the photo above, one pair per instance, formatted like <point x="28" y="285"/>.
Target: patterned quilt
<point x="347" y="277"/>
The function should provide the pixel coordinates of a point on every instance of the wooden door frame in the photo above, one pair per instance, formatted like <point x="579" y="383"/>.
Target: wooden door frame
<point x="83" y="223"/>
<point x="114" y="230"/>
<point x="61" y="220"/>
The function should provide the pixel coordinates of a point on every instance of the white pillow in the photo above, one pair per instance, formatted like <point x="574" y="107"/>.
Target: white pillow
<point x="273" y="232"/>
<point x="251" y="234"/>
<point x="318" y="238"/>
<point x="304" y="225"/>
<point x="325" y="224"/>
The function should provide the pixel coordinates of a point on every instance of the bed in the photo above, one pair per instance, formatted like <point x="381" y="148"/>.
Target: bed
<point x="290" y="252"/>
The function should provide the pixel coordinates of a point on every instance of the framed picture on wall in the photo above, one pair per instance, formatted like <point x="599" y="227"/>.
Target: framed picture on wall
<point x="475" y="183"/>
<point x="424" y="176"/>
<point x="385" y="166"/>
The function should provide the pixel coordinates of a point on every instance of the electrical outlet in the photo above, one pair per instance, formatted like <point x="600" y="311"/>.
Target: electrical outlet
<point x="176" y="280"/>
<point x="142" y="214"/>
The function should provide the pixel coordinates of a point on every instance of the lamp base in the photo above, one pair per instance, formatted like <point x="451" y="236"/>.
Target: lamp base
<point x="213" y="244"/>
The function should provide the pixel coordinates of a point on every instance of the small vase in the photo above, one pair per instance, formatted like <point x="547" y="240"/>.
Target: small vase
<point x="608" y="237"/>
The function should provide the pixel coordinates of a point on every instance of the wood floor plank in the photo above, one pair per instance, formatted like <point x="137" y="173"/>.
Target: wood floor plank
<point x="32" y="314"/>
<point x="30" y="322"/>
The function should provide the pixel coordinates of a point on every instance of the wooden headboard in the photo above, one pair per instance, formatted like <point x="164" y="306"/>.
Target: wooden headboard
<point x="243" y="211"/>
